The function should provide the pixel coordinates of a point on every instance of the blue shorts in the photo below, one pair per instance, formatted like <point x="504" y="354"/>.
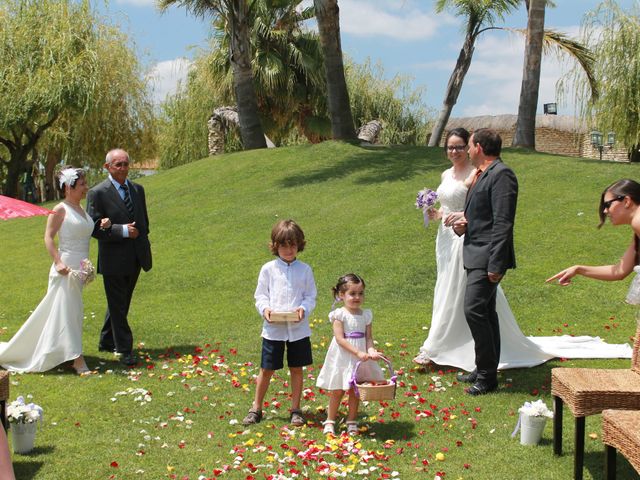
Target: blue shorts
<point x="298" y="353"/>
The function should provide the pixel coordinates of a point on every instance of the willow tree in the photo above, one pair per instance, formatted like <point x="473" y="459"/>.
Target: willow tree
<point x="121" y="111"/>
<point x="48" y="68"/>
<point x="235" y="16"/>
<point x="613" y="34"/>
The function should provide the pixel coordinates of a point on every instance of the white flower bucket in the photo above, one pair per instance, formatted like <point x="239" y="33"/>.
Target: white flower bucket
<point x="24" y="436"/>
<point x="531" y="429"/>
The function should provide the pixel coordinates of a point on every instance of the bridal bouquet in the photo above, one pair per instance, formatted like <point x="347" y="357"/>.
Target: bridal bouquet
<point x="20" y="412"/>
<point x="425" y="200"/>
<point x="87" y="272"/>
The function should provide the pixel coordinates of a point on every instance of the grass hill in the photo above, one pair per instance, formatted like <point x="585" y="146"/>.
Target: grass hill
<point x="210" y="225"/>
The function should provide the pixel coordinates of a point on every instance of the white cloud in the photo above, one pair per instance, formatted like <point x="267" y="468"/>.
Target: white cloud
<point x="137" y="3"/>
<point x="165" y="77"/>
<point x="492" y="85"/>
<point x="375" y="19"/>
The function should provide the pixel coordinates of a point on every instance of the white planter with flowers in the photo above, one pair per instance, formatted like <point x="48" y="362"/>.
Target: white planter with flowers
<point x="533" y="418"/>
<point x="23" y="420"/>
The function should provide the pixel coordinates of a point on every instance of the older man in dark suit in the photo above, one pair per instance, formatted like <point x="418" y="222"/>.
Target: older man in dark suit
<point x="123" y="249"/>
<point x="488" y="252"/>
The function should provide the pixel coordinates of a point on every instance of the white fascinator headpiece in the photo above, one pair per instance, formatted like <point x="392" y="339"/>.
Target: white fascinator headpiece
<point x="68" y="176"/>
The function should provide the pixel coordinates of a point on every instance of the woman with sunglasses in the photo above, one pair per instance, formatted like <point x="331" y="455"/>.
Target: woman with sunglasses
<point x="619" y="202"/>
<point x="449" y="341"/>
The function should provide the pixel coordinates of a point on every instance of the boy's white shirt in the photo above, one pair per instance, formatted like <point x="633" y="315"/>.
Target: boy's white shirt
<point x="286" y="287"/>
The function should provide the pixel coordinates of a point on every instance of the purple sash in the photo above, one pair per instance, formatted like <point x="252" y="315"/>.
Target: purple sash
<point x="354" y="335"/>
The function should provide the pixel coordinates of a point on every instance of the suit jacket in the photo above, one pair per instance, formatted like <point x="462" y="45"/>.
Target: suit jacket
<point x="490" y="210"/>
<point x="118" y="255"/>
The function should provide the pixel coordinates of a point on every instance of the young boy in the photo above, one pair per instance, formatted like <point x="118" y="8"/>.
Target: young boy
<point x="284" y="285"/>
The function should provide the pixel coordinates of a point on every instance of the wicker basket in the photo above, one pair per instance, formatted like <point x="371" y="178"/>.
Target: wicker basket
<point x="367" y="393"/>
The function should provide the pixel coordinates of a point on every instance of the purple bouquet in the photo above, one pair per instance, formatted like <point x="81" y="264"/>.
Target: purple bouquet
<point x="425" y="200"/>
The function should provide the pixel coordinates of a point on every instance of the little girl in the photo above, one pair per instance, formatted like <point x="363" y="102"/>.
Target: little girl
<point x="352" y="342"/>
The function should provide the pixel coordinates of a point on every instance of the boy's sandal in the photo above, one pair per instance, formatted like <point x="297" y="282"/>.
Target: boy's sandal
<point x="329" y="427"/>
<point x="297" y="420"/>
<point x="253" y="417"/>
<point x="352" y="427"/>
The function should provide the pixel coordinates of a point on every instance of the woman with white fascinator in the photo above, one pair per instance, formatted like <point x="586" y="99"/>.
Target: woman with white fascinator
<point x="53" y="333"/>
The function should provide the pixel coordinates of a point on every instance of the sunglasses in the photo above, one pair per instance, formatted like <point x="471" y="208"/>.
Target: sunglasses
<point x="607" y="205"/>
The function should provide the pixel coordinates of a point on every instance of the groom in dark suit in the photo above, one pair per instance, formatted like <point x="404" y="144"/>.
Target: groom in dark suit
<point x="489" y="214"/>
<point x="123" y="249"/>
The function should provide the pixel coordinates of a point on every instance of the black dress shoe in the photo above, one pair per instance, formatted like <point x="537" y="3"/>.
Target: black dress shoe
<point x="481" y="388"/>
<point x="128" y="359"/>
<point x="102" y="348"/>
<point x="470" y="377"/>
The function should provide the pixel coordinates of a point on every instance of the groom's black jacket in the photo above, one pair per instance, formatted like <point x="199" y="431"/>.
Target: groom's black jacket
<point x="490" y="210"/>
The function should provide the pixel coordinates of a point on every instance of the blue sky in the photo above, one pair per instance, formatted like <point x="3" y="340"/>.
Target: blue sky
<point x="405" y="36"/>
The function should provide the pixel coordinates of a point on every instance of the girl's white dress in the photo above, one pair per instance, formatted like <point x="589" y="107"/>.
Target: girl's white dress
<point x="338" y="365"/>
<point x="53" y="333"/>
<point x="449" y="341"/>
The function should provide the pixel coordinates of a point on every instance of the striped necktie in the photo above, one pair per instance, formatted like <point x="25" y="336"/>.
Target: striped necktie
<point x="127" y="199"/>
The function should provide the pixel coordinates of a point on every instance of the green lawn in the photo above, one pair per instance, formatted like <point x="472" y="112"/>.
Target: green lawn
<point x="197" y="329"/>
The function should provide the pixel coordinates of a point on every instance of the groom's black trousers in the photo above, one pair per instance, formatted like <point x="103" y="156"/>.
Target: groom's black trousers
<point x="480" y="311"/>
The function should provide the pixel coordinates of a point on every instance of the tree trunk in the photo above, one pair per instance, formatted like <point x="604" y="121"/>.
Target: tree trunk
<point x="53" y="158"/>
<point x="453" y="89"/>
<point x="634" y="153"/>
<point x="17" y="165"/>
<point x="525" y="135"/>
<point x="328" y="17"/>
<point x="250" y="128"/>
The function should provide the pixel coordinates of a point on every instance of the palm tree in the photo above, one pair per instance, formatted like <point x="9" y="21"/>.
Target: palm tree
<point x="548" y="40"/>
<point x="287" y="65"/>
<point x="478" y="14"/>
<point x="525" y="135"/>
<point x="234" y="13"/>
<point x="328" y="17"/>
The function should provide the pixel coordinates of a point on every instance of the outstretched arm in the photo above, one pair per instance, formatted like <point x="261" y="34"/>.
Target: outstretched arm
<point x="604" y="272"/>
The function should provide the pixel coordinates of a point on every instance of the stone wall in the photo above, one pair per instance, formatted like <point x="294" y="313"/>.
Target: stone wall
<point x="554" y="134"/>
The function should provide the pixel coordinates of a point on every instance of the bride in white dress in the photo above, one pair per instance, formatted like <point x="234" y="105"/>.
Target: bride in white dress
<point x="53" y="333"/>
<point x="449" y="341"/>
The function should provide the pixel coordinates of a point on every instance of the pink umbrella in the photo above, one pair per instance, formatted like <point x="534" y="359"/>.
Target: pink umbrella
<point x="13" y="208"/>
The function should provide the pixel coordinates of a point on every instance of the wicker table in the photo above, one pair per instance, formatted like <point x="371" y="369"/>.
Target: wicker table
<point x="621" y="432"/>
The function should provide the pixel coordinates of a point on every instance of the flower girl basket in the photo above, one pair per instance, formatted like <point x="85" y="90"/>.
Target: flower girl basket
<point x="367" y="391"/>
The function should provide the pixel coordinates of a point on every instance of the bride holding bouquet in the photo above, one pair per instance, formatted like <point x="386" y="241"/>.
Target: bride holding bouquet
<point x="53" y="333"/>
<point x="449" y="341"/>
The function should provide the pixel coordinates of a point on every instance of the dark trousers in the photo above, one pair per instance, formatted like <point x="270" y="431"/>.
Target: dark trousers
<point x="480" y="311"/>
<point x="116" y="332"/>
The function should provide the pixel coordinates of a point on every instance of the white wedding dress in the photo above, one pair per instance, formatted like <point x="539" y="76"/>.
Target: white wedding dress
<point x="449" y="341"/>
<point x="53" y="333"/>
